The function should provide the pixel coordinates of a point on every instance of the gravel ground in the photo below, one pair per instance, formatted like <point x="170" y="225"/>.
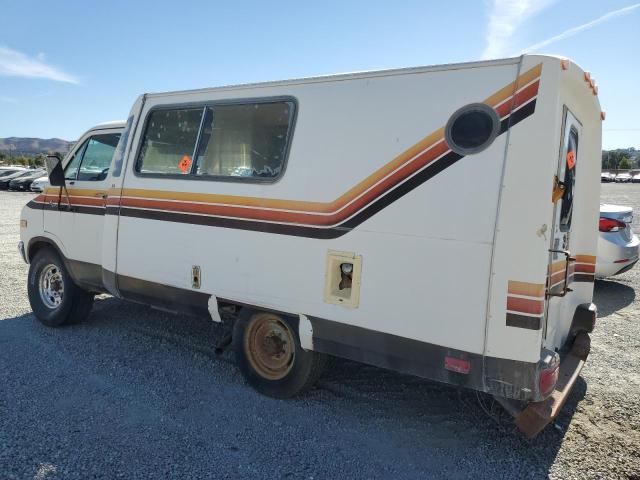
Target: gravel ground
<point x="138" y="393"/>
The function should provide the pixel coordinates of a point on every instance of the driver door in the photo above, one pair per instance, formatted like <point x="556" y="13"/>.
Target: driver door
<point x="79" y="228"/>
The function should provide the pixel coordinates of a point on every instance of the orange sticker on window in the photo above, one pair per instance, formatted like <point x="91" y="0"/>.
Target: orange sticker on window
<point x="571" y="159"/>
<point x="185" y="164"/>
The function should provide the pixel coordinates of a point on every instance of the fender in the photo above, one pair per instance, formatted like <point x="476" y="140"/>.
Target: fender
<point x="86" y="275"/>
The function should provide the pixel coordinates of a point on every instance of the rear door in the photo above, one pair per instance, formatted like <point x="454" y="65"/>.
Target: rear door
<point x="561" y="263"/>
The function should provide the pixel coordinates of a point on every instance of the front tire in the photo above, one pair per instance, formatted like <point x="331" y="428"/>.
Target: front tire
<point x="55" y="299"/>
<point x="270" y="357"/>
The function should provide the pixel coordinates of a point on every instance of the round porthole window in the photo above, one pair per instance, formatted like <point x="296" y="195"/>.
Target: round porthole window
<point x="472" y="128"/>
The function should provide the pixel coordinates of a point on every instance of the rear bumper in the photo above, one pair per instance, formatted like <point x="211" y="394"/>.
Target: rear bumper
<point x="538" y="415"/>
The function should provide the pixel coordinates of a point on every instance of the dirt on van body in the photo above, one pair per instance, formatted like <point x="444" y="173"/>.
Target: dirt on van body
<point x="138" y="393"/>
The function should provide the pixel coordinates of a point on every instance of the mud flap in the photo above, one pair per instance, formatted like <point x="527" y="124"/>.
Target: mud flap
<point x="538" y="415"/>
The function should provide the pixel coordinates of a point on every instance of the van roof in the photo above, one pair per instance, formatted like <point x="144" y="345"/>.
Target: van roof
<point x="112" y="124"/>
<point x="352" y="75"/>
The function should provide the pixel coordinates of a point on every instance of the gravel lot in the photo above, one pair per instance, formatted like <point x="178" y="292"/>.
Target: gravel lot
<point x="137" y="393"/>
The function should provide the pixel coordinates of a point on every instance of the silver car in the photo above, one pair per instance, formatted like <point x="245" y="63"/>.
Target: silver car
<point x="617" y="244"/>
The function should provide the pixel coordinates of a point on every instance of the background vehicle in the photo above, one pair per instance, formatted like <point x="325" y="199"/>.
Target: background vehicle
<point x="4" y="181"/>
<point x="4" y="171"/>
<point x="39" y="184"/>
<point x="23" y="183"/>
<point x="636" y="178"/>
<point x="623" y="178"/>
<point x="606" y="177"/>
<point x="617" y="244"/>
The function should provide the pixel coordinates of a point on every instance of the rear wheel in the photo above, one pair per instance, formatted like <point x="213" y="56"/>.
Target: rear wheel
<point x="270" y="357"/>
<point x="55" y="299"/>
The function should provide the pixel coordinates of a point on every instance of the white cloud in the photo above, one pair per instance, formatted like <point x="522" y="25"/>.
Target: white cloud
<point x="505" y="18"/>
<point x="17" y="64"/>
<point x="585" y="26"/>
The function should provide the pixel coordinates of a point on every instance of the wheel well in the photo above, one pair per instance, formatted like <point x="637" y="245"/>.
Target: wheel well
<point x="38" y="244"/>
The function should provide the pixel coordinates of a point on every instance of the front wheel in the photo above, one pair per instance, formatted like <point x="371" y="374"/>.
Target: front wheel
<point x="270" y="357"/>
<point x="55" y="299"/>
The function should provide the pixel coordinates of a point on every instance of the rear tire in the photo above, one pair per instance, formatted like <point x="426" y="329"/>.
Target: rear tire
<point x="269" y="355"/>
<point x="55" y="299"/>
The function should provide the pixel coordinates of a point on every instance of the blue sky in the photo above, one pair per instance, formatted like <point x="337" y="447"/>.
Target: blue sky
<point x="65" y="66"/>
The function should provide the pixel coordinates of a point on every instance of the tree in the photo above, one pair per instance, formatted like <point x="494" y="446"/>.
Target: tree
<point x="624" y="164"/>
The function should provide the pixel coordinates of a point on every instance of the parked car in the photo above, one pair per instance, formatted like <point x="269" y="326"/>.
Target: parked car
<point x="4" y="171"/>
<point x="4" y="181"/>
<point x="623" y="178"/>
<point x="617" y="244"/>
<point x="39" y="184"/>
<point x="636" y="178"/>
<point x="606" y="177"/>
<point x="24" y="182"/>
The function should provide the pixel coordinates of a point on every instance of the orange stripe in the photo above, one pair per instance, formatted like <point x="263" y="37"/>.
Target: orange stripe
<point x="583" y="268"/>
<point x="403" y="160"/>
<point x="526" y="289"/>
<point x="558" y="266"/>
<point x="586" y="259"/>
<point x="525" y="305"/>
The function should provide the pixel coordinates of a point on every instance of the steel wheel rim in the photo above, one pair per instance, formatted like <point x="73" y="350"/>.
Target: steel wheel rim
<point x="51" y="286"/>
<point x="270" y="346"/>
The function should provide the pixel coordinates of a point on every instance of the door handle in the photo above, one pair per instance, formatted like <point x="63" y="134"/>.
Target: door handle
<point x="565" y="288"/>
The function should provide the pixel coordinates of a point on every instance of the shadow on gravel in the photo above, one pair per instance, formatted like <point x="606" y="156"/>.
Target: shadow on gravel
<point x="149" y="375"/>
<point x="611" y="296"/>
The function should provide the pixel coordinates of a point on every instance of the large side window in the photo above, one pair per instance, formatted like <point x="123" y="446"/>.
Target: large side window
<point x="244" y="141"/>
<point x="248" y="140"/>
<point x="571" y="155"/>
<point x="169" y="141"/>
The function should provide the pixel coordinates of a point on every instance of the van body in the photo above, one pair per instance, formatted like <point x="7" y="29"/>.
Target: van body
<point x="438" y="221"/>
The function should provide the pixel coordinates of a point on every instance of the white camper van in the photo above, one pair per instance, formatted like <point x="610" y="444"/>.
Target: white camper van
<point x="439" y="221"/>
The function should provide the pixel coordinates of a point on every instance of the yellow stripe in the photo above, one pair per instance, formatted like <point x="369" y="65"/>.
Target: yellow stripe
<point x="327" y="207"/>
<point x="81" y="192"/>
<point x="526" y="289"/>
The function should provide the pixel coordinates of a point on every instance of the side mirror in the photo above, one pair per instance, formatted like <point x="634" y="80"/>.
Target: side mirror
<point x="54" y="170"/>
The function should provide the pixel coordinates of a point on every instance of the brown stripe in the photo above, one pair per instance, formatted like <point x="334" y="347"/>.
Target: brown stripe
<point x="526" y="289"/>
<point x="583" y="277"/>
<point x="405" y="162"/>
<point x="525" y="305"/>
<point x="522" y="321"/>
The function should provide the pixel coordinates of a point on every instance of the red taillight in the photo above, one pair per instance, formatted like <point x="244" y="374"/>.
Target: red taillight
<point x="611" y="225"/>
<point x="457" y="365"/>
<point x="548" y="379"/>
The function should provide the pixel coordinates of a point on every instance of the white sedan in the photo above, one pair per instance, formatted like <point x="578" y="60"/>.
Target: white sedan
<point x="617" y="244"/>
<point x="40" y="184"/>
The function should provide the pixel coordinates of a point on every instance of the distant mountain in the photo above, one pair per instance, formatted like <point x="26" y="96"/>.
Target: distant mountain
<point x="31" y="146"/>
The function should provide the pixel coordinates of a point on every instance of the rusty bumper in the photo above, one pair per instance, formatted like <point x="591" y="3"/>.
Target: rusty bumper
<point x="538" y="415"/>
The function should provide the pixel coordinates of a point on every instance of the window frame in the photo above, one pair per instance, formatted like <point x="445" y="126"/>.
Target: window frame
<point x="82" y="143"/>
<point x="212" y="104"/>
<point x="80" y="150"/>
<point x="562" y="226"/>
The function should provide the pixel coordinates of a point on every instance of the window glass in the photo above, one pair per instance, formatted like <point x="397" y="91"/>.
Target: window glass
<point x="248" y="140"/>
<point x="571" y="152"/>
<point x="97" y="157"/>
<point x="71" y="170"/>
<point x="169" y="141"/>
